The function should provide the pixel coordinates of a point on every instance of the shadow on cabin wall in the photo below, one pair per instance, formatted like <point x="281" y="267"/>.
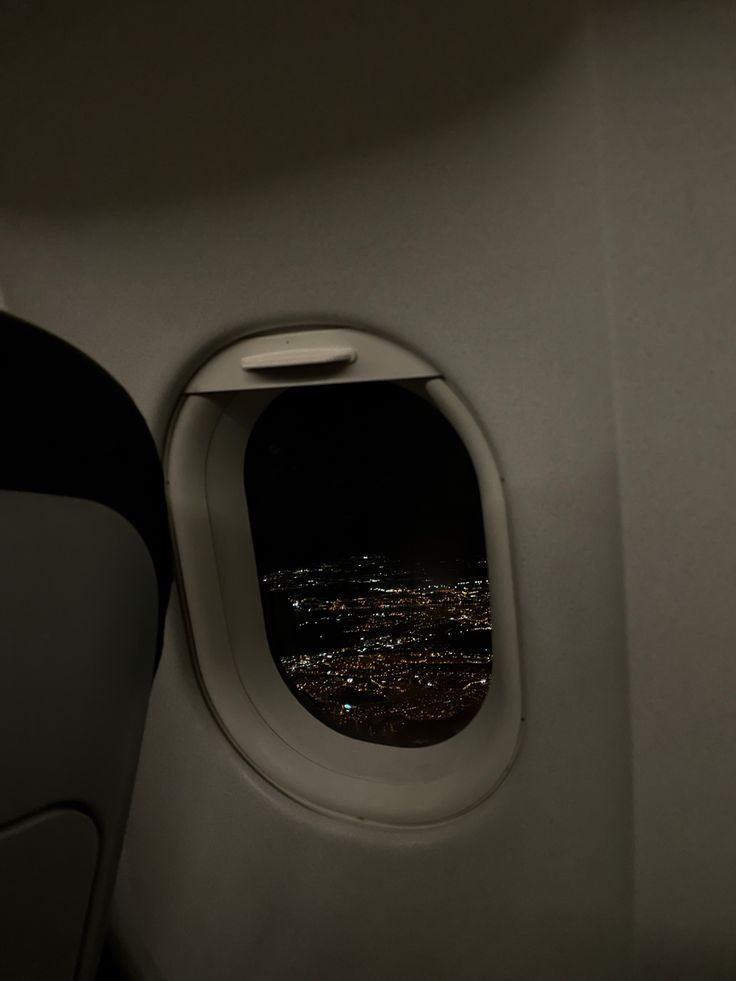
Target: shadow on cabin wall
<point x="112" y="108"/>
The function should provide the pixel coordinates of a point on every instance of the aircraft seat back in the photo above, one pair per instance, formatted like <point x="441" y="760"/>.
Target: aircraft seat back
<point x="84" y="568"/>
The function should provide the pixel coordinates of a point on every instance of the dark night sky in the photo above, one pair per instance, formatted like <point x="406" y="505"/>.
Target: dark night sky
<point x="335" y="471"/>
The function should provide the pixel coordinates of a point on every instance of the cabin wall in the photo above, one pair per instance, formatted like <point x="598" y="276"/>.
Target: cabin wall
<point x="538" y="201"/>
<point x="667" y="110"/>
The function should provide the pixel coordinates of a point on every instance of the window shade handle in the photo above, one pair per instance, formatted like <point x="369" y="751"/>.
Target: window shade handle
<point x="298" y="358"/>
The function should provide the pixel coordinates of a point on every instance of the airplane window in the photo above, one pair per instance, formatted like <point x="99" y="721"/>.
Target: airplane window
<point x="366" y="522"/>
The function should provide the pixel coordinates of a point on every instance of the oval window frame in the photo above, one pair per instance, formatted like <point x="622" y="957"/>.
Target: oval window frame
<point x="273" y="732"/>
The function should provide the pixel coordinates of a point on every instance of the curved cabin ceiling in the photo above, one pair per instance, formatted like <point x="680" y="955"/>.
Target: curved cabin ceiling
<point x="185" y="99"/>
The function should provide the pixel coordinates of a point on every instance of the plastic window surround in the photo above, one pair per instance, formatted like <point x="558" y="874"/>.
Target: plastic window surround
<point x="273" y="732"/>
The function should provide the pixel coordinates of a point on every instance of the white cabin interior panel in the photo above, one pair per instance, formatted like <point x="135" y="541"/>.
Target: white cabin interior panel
<point x="539" y="199"/>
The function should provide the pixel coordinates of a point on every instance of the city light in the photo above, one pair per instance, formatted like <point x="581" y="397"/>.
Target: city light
<point x="408" y="660"/>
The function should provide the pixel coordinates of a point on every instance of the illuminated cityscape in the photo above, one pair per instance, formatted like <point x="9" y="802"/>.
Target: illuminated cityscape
<point x="382" y="651"/>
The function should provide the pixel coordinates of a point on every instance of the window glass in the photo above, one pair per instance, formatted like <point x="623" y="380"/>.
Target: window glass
<point x="368" y="535"/>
